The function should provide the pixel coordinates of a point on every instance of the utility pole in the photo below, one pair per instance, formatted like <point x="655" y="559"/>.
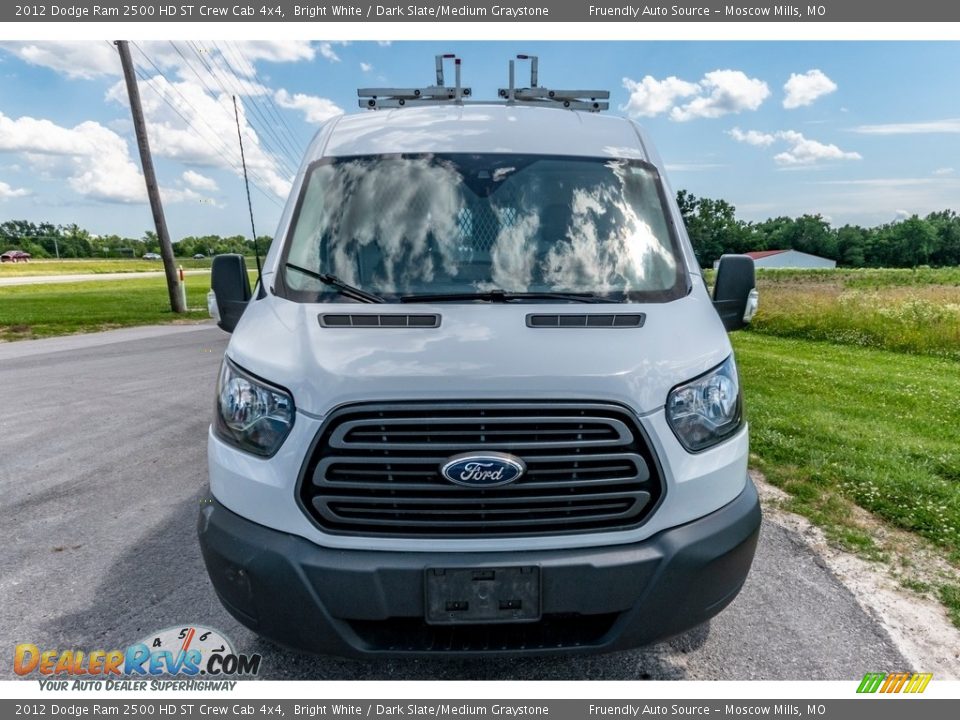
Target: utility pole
<point x="153" y="190"/>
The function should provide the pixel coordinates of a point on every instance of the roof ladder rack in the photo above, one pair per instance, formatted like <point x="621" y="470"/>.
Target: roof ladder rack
<point x="439" y="94"/>
<point x="534" y="95"/>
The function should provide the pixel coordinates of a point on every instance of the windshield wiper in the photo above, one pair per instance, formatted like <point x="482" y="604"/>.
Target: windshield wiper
<point x="504" y="297"/>
<point x="346" y="289"/>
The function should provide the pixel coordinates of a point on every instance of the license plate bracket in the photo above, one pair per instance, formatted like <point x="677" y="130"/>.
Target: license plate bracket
<point x="457" y="596"/>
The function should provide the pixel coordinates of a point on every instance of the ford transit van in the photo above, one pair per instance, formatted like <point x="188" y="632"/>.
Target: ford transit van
<point x="481" y="399"/>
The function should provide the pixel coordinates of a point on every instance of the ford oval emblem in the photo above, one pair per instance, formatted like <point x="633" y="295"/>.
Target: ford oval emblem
<point x="484" y="470"/>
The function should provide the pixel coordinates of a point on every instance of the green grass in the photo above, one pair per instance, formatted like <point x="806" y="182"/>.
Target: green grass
<point x="910" y="311"/>
<point x="866" y="277"/>
<point x="950" y="597"/>
<point x="832" y="425"/>
<point x="92" y="265"/>
<point x="35" y="311"/>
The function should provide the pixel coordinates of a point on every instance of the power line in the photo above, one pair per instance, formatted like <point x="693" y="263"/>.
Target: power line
<point x="272" y="125"/>
<point x="208" y="89"/>
<point x="283" y="162"/>
<point x="267" y="129"/>
<point x="190" y="124"/>
<point x="290" y="166"/>
<point x="270" y="102"/>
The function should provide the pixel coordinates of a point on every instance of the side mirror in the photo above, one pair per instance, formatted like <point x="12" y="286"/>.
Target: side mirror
<point x="231" y="285"/>
<point x="734" y="292"/>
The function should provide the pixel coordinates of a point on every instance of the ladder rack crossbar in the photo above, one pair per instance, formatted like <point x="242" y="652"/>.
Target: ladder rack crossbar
<point x="440" y="94"/>
<point x="531" y="93"/>
<point x="412" y="93"/>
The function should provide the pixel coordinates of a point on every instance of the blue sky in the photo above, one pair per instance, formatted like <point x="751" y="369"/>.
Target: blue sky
<point x="861" y="132"/>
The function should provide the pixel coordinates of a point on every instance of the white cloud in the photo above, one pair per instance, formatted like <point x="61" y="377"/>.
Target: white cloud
<point x="315" y="109"/>
<point x="804" y="151"/>
<point x="7" y="192"/>
<point x="717" y="93"/>
<point x="801" y="151"/>
<point x="208" y="137"/>
<point x="100" y="166"/>
<point x="228" y="62"/>
<point x="179" y="195"/>
<point x="951" y="125"/>
<point x="384" y="43"/>
<point x="752" y="137"/>
<point x="366" y="67"/>
<point x="889" y="182"/>
<point x="199" y="182"/>
<point x="327" y="51"/>
<point x="651" y="97"/>
<point x="278" y="51"/>
<point x="727" y="91"/>
<point x="803" y="89"/>
<point x="202" y="76"/>
<point x="75" y="59"/>
<point x="940" y="172"/>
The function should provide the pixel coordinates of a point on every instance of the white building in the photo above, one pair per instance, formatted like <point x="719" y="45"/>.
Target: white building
<point x="789" y="259"/>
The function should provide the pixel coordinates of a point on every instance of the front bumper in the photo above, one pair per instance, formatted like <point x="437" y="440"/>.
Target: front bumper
<point x="358" y="603"/>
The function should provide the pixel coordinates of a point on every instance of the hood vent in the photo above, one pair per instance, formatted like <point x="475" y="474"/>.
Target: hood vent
<point x="372" y="320"/>
<point x="586" y="320"/>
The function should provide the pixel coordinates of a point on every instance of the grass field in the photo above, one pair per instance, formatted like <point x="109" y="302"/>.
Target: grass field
<point x="94" y="266"/>
<point x="914" y="311"/>
<point x="35" y="311"/>
<point x="852" y="382"/>
<point x="878" y="428"/>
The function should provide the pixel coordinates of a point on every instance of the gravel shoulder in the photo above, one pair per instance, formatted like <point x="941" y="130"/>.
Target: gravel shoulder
<point x="918" y="625"/>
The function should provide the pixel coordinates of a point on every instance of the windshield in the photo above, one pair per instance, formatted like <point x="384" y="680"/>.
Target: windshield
<point x="474" y="223"/>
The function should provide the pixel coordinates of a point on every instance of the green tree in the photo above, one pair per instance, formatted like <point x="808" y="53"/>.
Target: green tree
<point x="946" y="224"/>
<point x="910" y="242"/>
<point x="712" y="226"/>
<point x="851" y="246"/>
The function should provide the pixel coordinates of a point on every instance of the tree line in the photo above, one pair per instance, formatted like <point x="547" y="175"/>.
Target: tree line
<point x="714" y="229"/>
<point x="712" y="225"/>
<point x="46" y="240"/>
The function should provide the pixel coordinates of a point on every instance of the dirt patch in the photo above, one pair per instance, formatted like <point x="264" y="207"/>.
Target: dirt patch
<point x="916" y="622"/>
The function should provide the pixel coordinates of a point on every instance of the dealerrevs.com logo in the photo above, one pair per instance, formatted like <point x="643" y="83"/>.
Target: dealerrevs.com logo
<point x="190" y="652"/>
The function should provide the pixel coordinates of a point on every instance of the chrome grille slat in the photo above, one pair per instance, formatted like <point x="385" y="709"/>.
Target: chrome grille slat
<point x="375" y="470"/>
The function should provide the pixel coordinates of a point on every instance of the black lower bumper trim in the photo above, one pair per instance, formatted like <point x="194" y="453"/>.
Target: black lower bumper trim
<point x="362" y="603"/>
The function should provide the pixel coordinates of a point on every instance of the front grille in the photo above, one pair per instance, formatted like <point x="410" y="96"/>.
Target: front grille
<point x="375" y="470"/>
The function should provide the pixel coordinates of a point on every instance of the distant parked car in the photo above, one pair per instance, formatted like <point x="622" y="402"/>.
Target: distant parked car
<point x="15" y="256"/>
<point x="199" y="256"/>
<point x="151" y="256"/>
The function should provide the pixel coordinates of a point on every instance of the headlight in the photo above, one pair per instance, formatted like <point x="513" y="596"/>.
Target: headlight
<point x="706" y="410"/>
<point x="252" y="415"/>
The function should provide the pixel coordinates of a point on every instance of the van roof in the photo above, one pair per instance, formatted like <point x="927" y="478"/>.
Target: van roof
<point x="483" y="128"/>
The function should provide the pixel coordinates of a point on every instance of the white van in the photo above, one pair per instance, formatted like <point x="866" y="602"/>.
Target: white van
<point x="480" y="400"/>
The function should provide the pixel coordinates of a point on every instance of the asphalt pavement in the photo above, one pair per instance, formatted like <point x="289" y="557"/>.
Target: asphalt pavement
<point x="102" y="468"/>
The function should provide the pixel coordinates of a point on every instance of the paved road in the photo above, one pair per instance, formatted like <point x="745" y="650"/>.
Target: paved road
<point x="87" y="277"/>
<point x="101" y="470"/>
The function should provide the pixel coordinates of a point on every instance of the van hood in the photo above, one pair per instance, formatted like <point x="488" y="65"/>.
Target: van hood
<point x="479" y="351"/>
